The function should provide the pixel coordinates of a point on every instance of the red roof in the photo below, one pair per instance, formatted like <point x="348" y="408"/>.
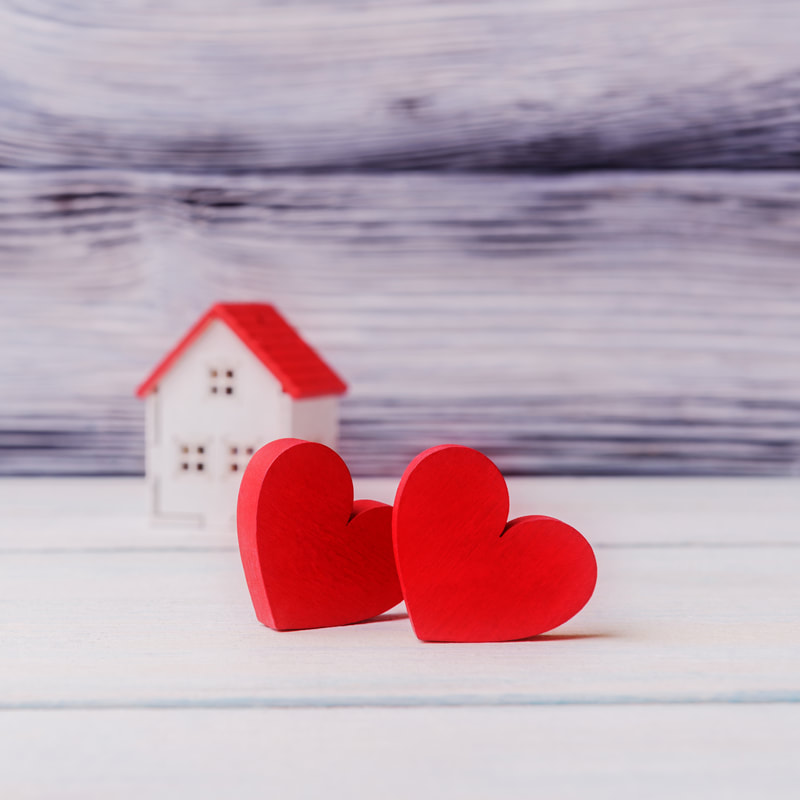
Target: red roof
<point x="276" y="344"/>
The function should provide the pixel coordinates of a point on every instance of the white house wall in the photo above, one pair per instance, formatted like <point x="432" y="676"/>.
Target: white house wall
<point x="316" y="419"/>
<point x="191" y="460"/>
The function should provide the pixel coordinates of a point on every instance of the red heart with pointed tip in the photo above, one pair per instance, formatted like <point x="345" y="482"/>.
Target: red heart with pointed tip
<point x="467" y="575"/>
<point x="312" y="557"/>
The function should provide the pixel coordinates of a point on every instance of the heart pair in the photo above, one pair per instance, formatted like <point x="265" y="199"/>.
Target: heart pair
<point x="314" y="558"/>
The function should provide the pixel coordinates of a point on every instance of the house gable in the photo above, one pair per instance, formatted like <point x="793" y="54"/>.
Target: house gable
<point x="295" y="364"/>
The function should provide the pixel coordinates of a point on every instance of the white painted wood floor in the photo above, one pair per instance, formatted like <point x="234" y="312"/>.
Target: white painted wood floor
<point x="132" y="665"/>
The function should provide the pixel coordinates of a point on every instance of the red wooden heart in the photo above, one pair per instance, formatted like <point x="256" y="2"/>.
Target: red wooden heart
<point x="467" y="575"/>
<point x="312" y="557"/>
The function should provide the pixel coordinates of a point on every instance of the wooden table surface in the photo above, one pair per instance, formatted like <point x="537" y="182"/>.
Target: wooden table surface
<point x="132" y="665"/>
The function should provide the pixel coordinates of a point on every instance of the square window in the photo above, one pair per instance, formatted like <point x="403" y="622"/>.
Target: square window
<point x="191" y="458"/>
<point x="221" y="380"/>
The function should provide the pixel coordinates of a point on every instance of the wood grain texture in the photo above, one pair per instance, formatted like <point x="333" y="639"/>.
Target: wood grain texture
<point x="663" y="752"/>
<point x="118" y="625"/>
<point x="132" y="666"/>
<point x="335" y="84"/>
<point x="605" y="323"/>
<point x="109" y="514"/>
<point x="158" y="160"/>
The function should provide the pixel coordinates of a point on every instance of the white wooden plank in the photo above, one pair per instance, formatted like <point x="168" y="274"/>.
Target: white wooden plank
<point x="49" y="515"/>
<point x="621" y="752"/>
<point x="331" y="84"/>
<point x="637" y="323"/>
<point x="131" y="671"/>
<point x="175" y="629"/>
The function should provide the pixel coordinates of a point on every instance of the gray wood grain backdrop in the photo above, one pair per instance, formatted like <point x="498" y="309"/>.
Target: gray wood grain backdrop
<point x="564" y="232"/>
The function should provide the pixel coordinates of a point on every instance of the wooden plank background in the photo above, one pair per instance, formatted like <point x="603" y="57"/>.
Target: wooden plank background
<point x="564" y="232"/>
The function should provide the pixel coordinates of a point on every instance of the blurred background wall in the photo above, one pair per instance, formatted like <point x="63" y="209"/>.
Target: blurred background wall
<point x="566" y="232"/>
